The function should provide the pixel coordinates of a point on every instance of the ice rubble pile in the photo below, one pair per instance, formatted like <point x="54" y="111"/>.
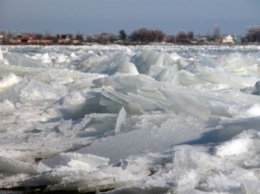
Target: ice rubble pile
<point x="131" y="119"/>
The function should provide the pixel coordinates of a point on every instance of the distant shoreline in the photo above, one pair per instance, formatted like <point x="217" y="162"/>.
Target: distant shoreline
<point x="141" y="36"/>
<point x="135" y="44"/>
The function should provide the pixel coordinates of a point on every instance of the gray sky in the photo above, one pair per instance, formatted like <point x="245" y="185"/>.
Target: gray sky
<point x="96" y="16"/>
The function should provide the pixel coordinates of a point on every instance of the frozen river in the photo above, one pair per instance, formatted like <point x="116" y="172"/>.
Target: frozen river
<point x="136" y="119"/>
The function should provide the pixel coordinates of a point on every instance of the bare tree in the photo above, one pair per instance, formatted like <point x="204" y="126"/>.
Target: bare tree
<point x="146" y="35"/>
<point x="190" y="35"/>
<point x="170" y="39"/>
<point x="216" y="32"/>
<point x="106" y="38"/>
<point x="253" y="34"/>
<point x="181" y="37"/>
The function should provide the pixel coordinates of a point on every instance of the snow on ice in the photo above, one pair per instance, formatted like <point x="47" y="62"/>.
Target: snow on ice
<point x="136" y="119"/>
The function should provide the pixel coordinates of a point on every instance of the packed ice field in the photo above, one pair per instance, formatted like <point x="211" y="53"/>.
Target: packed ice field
<point x="136" y="119"/>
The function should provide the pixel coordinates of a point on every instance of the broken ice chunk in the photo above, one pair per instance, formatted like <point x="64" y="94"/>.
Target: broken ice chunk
<point x="120" y="119"/>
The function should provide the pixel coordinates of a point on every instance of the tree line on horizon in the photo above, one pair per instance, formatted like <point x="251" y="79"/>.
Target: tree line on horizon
<point x="139" y="36"/>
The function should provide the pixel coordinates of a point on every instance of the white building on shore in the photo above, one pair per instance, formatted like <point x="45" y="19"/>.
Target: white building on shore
<point x="228" y="39"/>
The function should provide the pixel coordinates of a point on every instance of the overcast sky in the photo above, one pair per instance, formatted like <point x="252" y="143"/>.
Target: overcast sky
<point x="96" y="16"/>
